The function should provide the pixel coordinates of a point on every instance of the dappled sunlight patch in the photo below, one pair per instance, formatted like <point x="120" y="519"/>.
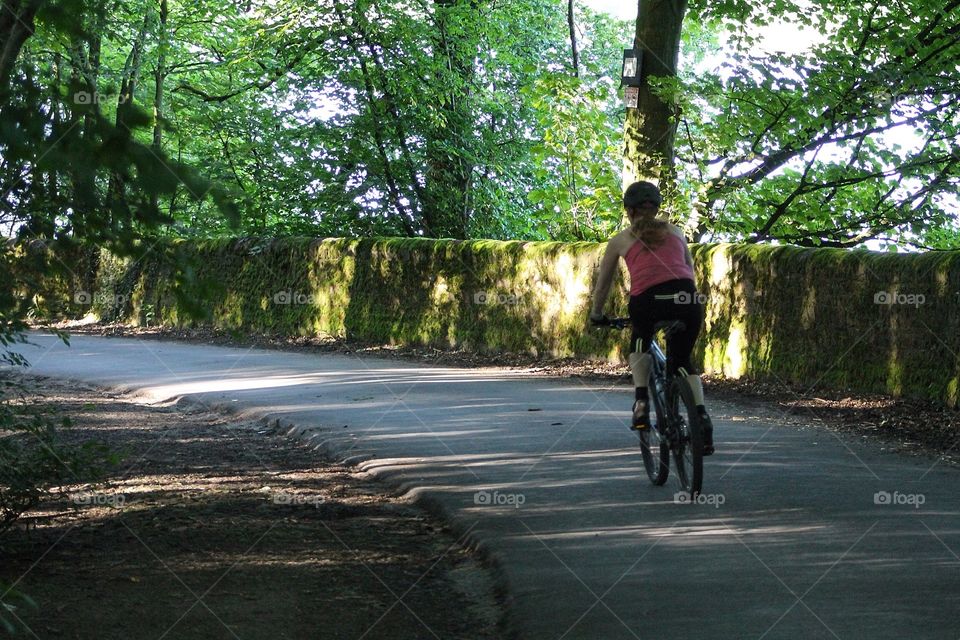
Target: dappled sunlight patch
<point x="242" y="380"/>
<point x="226" y="384"/>
<point x="686" y="535"/>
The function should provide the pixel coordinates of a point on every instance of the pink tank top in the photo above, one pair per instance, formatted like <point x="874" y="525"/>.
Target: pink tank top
<point x="649" y="268"/>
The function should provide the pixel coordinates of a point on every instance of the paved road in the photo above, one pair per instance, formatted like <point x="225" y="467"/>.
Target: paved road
<point x="546" y="478"/>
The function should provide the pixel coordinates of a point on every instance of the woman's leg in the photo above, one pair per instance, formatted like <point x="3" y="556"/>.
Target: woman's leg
<point x="640" y="359"/>
<point x="680" y="343"/>
<point x="678" y="300"/>
<point x="679" y="350"/>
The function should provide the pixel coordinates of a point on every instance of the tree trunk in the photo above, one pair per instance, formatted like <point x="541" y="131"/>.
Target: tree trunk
<point x="375" y="105"/>
<point x="116" y="192"/>
<point x="56" y="110"/>
<point x="159" y="76"/>
<point x="573" y="39"/>
<point x="16" y="25"/>
<point x="446" y="204"/>
<point x="39" y="224"/>
<point x="84" y="63"/>
<point x="651" y="127"/>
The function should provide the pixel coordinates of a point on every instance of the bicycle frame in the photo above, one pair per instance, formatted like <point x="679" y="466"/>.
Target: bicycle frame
<point x="658" y="395"/>
<point x="659" y="364"/>
<point x="677" y="436"/>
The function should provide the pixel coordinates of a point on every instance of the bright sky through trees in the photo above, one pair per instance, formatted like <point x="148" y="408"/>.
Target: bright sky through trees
<point x="785" y="37"/>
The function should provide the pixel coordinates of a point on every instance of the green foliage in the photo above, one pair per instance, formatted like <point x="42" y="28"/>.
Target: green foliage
<point x="77" y="157"/>
<point x="69" y="173"/>
<point x="464" y="119"/>
<point x="575" y="166"/>
<point x="354" y="119"/>
<point x="853" y="140"/>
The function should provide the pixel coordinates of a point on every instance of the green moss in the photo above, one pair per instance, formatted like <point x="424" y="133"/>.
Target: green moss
<point x="784" y="313"/>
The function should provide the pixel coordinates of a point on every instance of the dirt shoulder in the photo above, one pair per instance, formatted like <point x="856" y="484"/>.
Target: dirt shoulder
<point x="899" y="424"/>
<point x="210" y="528"/>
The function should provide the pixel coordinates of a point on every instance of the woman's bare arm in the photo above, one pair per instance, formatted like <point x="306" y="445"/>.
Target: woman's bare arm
<point x="616" y="247"/>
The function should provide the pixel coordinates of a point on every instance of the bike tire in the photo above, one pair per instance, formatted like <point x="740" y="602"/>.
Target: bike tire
<point x="688" y="444"/>
<point x="654" y="447"/>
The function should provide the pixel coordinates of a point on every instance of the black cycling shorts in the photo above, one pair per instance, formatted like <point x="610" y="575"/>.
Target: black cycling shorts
<point x="671" y="300"/>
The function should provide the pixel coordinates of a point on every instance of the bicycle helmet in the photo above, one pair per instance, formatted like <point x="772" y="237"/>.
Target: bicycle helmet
<point x="641" y="191"/>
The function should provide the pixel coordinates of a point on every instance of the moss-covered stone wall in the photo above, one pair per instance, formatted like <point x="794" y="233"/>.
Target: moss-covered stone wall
<point x="869" y="321"/>
<point x="852" y="319"/>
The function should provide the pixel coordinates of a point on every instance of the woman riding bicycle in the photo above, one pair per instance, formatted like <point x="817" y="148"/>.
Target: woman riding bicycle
<point x="661" y="289"/>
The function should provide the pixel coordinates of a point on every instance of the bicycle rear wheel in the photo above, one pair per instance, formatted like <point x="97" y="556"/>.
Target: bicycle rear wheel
<point x="653" y="445"/>
<point x="688" y="443"/>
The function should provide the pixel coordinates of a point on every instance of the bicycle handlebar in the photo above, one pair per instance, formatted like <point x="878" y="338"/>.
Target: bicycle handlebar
<point x="613" y="323"/>
<point x="669" y="326"/>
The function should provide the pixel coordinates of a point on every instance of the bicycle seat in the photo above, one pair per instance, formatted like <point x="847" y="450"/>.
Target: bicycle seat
<point x="670" y="325"/>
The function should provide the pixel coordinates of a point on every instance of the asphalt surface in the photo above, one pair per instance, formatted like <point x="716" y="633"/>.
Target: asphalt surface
<point x="801" y="533"/>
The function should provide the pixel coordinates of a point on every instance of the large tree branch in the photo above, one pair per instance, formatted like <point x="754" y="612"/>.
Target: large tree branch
<point x="884" y="216"/>
<point x="925" y="36"/>
<point x="390" y="102"/>
<point x="260" y="85"/>
<point x="779" y="158"/>
<point x="783" y="206"/>
<point x="16" y="26"/>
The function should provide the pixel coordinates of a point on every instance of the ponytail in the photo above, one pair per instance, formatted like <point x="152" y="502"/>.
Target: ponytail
<point x="650" y="232"/>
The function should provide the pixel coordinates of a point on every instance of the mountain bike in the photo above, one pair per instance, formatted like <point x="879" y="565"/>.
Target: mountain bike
<point x="677" y="430"/>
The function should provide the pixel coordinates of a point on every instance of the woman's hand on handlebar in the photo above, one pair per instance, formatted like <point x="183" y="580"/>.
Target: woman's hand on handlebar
<point x="600" y="320"/>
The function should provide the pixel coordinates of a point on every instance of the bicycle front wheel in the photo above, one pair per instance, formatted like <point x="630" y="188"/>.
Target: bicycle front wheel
<point x="654" y="447"/>
<point x="687" y="443"/>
